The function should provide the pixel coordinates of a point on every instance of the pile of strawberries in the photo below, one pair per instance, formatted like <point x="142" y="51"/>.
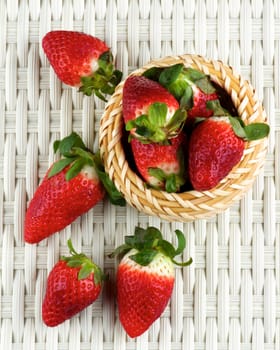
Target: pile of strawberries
<point x="179" y="134"/>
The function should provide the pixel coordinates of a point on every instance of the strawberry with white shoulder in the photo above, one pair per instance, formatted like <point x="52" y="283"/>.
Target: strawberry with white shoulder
<point x="145" y="277"/>
<point x="150" y="112"/>
<point x="162" y="166"/>
<point x="82" y="61"/>
<point x="71" y="187"/>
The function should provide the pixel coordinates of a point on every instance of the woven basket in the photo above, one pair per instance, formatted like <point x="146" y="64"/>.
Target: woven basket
<point x="190" y="205"/>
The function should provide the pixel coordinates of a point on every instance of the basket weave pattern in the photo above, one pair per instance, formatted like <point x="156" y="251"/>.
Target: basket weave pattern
<point x="192" y="204"/>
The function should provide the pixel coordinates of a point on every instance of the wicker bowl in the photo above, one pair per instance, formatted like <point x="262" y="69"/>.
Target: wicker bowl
<point x="190" y="205"/>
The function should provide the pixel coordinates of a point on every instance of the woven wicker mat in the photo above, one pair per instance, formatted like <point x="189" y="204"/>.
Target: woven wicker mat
<point x="230" y="297"/>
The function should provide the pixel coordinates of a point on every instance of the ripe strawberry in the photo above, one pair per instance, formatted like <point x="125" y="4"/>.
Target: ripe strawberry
<point x="71" y="187"/>
<point x="161" y="166"/>
<point x="145" y="278"/>
<point x="190" y="87"/>
<point x="73" y="284"/>
<point x="150" y="112"/>
<point x="81" y="60"/>
<point x="216" y="146"/>
<point x="199" y="104"/>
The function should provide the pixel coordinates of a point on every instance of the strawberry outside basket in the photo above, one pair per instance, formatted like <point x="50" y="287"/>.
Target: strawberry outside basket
<point x="190" y="205"/>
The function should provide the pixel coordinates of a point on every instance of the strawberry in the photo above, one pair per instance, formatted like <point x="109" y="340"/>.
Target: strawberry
<point x="161" y="166"/>
<point x="81" y="60"/>
<point x="145" y="278"/>
<point x="190" y="87"/>
<point x="199" y="104"/>
<point x="216" y="145"/>
<point x="73" y="284"/>
<point x="71" y="187"/>
<point x="150" y="112"/>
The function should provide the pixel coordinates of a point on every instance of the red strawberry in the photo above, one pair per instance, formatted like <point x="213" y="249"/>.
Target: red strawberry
<point x="199" y="107"/>
<point x="150" y="112"/>
<point x="73" y="284"/>
<point x="145" y="278"/>
<point x="161" y="166"/>
<point x="191" y="88"/>
<point x="81" y="60"/>
<point x="70" y="188"/>
<point x="216" y="146"/>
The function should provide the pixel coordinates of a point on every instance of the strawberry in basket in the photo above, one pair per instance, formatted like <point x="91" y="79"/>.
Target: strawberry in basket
<point x="71" y="187"/>
<point x="162" y="166"/>
<point x="192" y="88"/>
<point x="216" y="146"/>
<point x="73" y="284"/>
<point x="83" y="61"/>
<point x="150" y="112"/>
<point x="145" y="277"/>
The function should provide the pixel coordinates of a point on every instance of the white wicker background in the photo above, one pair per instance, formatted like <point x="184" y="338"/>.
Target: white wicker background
<point x="230" y="297"/>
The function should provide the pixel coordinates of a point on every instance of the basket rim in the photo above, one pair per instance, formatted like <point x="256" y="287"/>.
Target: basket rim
<point x="189" y="205"/>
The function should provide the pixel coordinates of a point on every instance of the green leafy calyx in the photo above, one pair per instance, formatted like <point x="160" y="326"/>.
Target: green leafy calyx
<point x="115" y="196"/>
<point x="104" y="80"/>
<point x="87" y="267"/>
<point x="156" y="126"/>
<point x="250" y="132"/>
<point x="172" y="182"/>
<point x="74" y="155"/>
<point x="216" y="107"/>
<point x="148" y="243"/>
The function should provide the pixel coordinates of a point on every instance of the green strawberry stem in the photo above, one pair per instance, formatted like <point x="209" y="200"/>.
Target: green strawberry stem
<point x="155" y="126"/>
<point x="76" y="156"/>
<point x="148" y="243"/>
<point x="104" y="80"/>
<point x="173" y="182"/>
<point x="86" y="265"/>
<point x="216" y="107"/>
